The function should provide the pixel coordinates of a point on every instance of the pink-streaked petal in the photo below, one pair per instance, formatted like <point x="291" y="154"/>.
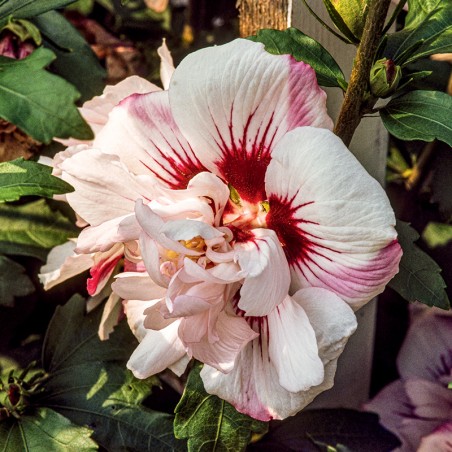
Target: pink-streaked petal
<point x="166" y="64"/>
<point x="267" y="275"/>
<point x="63" y="263"/>
<point x="104" y="188"/>
<point x="334" y="221"/>
<point x="95" y="111"/>
<point x="439" y="440"/>
<point x="104" y="265"/>
<point x="142" y="132"/>
<point x="110" y="316"/>
<point x="137" y="286"/>
<point x="292" y="347"/>
<point x="157" y="351"/>
<point x="253" y="388"/>
<point x="427" y="350"/>
<point x="233" y="334"/>
<point x="234" y="102"/>
<point x="332" y="319"/>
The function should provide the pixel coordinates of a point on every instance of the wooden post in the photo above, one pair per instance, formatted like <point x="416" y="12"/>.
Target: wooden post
<point x="257" y="14"/>
<point x="369" y="145"/>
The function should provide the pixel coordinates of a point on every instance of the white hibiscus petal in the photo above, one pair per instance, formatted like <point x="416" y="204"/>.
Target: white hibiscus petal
<point x="105" y="235"/>
<point x="332" y="319"/>
<point x="234" y="102"/>
<point x="267" y="274"/>
<point x="137" y="286"/>
<point x="334" y="221"/>
<point x="166" y="64"/>
<point x="63" y="263"/>
<point x="168" y="234"/>
<point x="233" y="335"/>
<point x="157" y="351"/>
<point x="104" y="188"/>
<point x="110" y="316"/>
<point x="292" y="347"/>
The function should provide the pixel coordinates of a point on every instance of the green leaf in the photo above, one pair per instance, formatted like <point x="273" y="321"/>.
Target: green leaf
<point x="303" y="48"/>
<point x="75" y="61"/>
<point x="72" y="339"/>
<point x="209" y="423"/>
<point x="419" y="276"/>
<point x="32" y="229"/>
<point x="347" y="429"/>
<point x="24" y="177"/>
<point x="437" y="234"/>
<point x="38" y="102"/>
<point x="89" y="383"/>
<point x="24" y="9"/>
<point x="419" y="115"/>
<point x="13" y="281"/>
<point x="419" y="10"/>
<point x="349" y="17"/>
<point x="428" y="30"/>
<point x="44" y="430"/>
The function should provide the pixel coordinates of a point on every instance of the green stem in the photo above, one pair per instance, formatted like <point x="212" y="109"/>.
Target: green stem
<point x="354" y="100"/>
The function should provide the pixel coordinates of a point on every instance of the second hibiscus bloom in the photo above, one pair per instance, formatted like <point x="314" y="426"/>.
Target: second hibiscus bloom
<point x="250" y="232"/>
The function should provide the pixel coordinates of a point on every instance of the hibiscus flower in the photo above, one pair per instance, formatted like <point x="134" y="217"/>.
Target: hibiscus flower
<point x="418" y="406"/>
<point x="259" y="231"/>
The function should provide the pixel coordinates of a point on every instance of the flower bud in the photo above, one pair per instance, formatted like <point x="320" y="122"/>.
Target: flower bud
<point x="385" y="76"/>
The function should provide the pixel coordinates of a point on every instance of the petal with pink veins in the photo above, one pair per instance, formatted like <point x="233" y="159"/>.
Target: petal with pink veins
<point x="155" y="144"/>
<point x="267" y="275"/>
<point x="234" y="103"/>
<point x="333" y="220"/>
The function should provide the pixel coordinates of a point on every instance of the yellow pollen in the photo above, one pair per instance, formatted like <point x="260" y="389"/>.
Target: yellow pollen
<point x="195" y="244"/>
<point x="170" y="254"/>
